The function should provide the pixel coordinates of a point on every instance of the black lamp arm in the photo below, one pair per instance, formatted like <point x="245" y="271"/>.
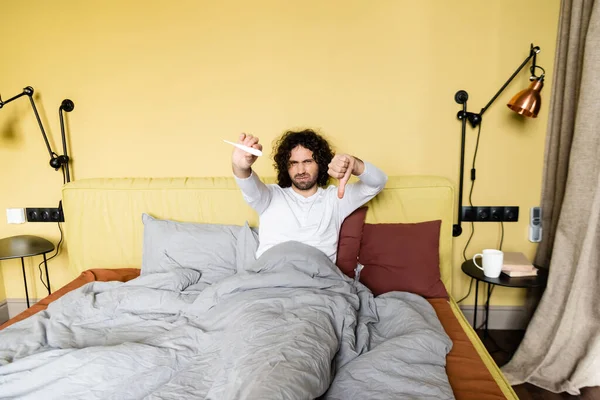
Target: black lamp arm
<point x="67" y="105"/>
<point x="39" y="121"/>
<point x="475" y="119"/>
<point x="25" y="92"/>
<point x="461" y="97"/>
<point x="532" y="54"/>
<point x="28" y="91"/>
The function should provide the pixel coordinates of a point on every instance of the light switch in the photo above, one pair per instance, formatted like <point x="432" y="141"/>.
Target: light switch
<point x="15" y="215"/>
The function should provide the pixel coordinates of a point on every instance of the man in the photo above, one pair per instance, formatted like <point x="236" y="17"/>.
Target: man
<point x="301" y="207"/>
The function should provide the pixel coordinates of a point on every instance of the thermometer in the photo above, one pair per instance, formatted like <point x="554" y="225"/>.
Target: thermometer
<point x="247" y="149"/>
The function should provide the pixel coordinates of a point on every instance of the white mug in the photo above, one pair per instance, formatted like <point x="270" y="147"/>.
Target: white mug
<point x="492" y="261"/>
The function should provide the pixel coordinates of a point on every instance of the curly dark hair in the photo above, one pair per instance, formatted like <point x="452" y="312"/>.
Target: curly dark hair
<point x="309" y="139"/>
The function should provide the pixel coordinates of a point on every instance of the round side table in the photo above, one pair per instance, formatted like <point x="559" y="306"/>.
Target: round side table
<point x="503" y="280"/>
<point x="26" y="246"/>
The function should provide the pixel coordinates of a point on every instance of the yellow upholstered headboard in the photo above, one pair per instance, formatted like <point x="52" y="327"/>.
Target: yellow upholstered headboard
<point x="103" y="217"/>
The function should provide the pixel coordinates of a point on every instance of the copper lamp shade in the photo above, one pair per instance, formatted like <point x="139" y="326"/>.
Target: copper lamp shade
<point x="528" y="102"/>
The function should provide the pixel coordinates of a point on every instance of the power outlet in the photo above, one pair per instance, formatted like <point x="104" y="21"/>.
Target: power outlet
<point x="511" y="214"/>
<point x="44" y="214"/>
<point x="490" y="214"/>
<point x="497" y="214"/>
<point x="484" y="213"/>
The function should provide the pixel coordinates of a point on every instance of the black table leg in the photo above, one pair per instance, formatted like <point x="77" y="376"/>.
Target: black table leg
<point x="47" y="277"/>
<point x="25" y="281"/>
<point x="475" y="310"/>
<point x="487" y="310"/>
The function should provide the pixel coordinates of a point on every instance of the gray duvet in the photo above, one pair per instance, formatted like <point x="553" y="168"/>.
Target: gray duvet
<point x="291" y="327"/>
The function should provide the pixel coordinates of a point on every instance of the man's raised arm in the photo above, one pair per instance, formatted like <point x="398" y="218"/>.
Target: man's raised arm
<point x="255" y="192"/>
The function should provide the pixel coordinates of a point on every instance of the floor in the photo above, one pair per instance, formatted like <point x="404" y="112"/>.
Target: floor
<point x="502" y="343"/>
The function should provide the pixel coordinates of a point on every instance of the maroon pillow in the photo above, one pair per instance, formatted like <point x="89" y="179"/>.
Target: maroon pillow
<point x="349" y="242"/>
<point x="402" y="257"/>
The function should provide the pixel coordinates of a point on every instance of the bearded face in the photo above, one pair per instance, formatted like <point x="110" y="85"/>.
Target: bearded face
<point x="303" y="169"/>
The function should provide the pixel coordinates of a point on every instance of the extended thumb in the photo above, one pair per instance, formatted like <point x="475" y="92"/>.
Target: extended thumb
<point x="341" y="189"/>
<point x="343" y="181"/>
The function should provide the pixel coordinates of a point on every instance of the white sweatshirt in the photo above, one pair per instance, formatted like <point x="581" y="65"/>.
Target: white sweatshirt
<point x="285" y="215"/>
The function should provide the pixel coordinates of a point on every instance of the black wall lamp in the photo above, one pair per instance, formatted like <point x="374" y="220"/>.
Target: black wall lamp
<point x="46" y="214"/>
<point x="56" y="161"/>
<point x="527" y="102"/>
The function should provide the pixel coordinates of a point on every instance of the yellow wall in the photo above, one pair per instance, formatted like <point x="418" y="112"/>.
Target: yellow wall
<point x="158" y="84"/>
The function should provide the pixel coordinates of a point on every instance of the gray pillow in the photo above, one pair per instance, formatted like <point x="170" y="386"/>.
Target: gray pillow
<point x="208" y="248"/>
<point x="246" y="248"/>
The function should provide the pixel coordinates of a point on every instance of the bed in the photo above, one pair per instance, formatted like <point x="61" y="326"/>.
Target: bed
<point x="110" y="224"/>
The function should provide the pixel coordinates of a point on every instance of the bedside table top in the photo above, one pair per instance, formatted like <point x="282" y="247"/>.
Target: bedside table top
<point x="24" y="246"/>
<point x="504" y="280"/>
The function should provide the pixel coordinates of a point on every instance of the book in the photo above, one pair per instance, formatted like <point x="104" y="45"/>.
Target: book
<point x="515" y="261"/>
<point x="512" y="274"/>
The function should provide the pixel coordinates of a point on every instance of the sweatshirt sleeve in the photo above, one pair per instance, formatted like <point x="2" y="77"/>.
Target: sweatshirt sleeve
<point x="255" y="192"/>
<point x="372" y="181"/>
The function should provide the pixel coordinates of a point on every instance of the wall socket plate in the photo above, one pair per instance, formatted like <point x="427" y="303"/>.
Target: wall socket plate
<point x="490" y="214"/>
<point x="44" y="214"/>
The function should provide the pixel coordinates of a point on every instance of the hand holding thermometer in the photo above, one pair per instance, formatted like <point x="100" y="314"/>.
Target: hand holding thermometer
<point x="247" y="149"/>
